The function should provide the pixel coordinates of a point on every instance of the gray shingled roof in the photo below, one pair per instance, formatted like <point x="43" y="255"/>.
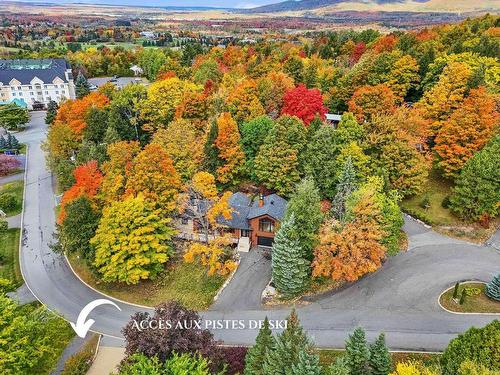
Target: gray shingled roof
<point x="26" y="69"/>
<point x="245" y="209"/>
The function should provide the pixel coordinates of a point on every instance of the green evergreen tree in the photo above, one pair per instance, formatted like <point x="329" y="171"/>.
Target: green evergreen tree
<point x="290" y="270"/>
<point x="345" y="187"/>
<point x="82" y="86"/>
<point x="254" y="359"/>
<point x="357" y="353"/>
<point x="340" y="367"/>
<point x="477" y="189"/>
<point x="380" y="359"/>
<point x="3" y="142"/>
<point x="51" y="114"/>
<point x="493" y="288"/>
<point x="212" y="161"/>
<point x="308" y="364"/>
<point x="111" y="136"/>
<point x="14" y="143"/>
<point x="305" y="205"/>
<point x="320" y="161"/>
<point x="289" y="344"/>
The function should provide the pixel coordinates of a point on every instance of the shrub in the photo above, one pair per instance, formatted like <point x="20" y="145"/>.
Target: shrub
<point x="3" y="226"/>
<point x="8" y="164"/>
<point x="234" y="356"/>
<point x="8" y="202"/>
<point x="472" y="291"/>
<point x="479" y="345"/>
<point x="79" y="363"/>
<point x="446" y="202"/>
<point x="425" y="203"/>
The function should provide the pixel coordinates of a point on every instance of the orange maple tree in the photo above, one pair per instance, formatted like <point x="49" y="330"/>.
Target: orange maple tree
<point x="88" y="179"/>
<point x="368" y="101"/>
<point x="466" y="131"/>
<point x="154" y="176"/>
<point x="228" y="143"/>
<point x="73" y="112"/>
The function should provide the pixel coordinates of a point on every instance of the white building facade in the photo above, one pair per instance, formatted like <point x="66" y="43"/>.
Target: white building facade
<point x="36" y="82"/>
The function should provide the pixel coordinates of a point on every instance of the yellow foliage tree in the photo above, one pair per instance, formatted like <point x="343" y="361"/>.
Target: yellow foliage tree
<point x="162" y="100"/>
<point x="153" y="175"/>
<point x="216" y="255"/>
<point x="243" y="102"/>
<point x="131" y="241"/>
<point x="182" y="143"/>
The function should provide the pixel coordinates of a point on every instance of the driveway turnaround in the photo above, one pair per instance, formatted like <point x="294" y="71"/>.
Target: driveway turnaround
<point x="400" y="299"/>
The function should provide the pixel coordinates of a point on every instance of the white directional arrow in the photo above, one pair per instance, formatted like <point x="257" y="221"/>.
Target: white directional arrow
<point x="82" y="327"/>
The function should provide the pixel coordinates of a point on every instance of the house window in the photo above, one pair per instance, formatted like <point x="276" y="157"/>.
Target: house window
<point x="245" y="233"/>
<point x="266" y="225"/>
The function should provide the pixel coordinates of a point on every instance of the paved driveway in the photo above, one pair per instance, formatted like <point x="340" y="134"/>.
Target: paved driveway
<point x="245" y="289"/>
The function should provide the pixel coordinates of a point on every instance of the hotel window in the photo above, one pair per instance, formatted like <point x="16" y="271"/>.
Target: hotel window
<point x="19" y="87"/>
<point x="46" y="93"/>
<point x="31" y="87"/>
<point x="13" y="94"/>
<point x="57" y="92"/>
<point x="266" y="225"/>
<point x="32" y="94"/>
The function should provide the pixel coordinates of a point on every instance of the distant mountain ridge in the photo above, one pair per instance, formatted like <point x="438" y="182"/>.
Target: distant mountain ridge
<point x="292" y="5"/>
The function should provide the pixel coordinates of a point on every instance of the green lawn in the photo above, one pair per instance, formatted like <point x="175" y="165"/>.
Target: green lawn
<point x="478" y="303"/>
<point x="184" y="282"/>
<point x="436" y="189"/>
<point x="15" y="188"/>
<point x="9" y="256"/>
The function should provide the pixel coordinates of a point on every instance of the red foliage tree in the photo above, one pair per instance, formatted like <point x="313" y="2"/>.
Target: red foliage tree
<point x="356" y="54"/>
<point x="304" y="103"/>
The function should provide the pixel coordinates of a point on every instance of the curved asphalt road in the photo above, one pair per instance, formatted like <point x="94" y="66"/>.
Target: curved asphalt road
<point x="400" y="299"/>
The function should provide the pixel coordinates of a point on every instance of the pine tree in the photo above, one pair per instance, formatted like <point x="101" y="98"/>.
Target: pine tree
<point x="305" y="205"/>
<point x="340" y="367"/>
<point x="380" y="359"/>
<point x="308" y="364"/>
<point x="14" y="143"/>
<point x="82" y="86"/>
<point x="290" y="270"/>
<point x="357" y="353"/>
<point x="285" y="352"/>
<point x="50" y="116"/>
<point x="211" y="162"/>
<point x="345" y="187"/>
<point x="493" y="288"/>
<point x="254" y="359"/>
<point x="9" y="141"/>
<point x="3" y="142"/>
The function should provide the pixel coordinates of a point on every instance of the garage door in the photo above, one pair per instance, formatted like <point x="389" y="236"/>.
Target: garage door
<point x="265" y="241"/>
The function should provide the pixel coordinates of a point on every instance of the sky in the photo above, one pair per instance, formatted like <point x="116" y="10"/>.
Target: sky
<point x="164" y="3"/>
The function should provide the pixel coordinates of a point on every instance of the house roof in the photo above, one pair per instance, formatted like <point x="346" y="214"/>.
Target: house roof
<point x="245" y="209"/>
<point x="25" y="70"/>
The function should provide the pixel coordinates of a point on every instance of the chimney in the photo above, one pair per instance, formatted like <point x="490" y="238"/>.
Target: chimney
<point x="261" y="200"/>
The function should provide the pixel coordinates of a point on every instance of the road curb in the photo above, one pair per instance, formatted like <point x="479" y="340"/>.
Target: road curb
<point x="21" y="249"/>
<point x="102" y="293"/>
<point x="463" y="313"/>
